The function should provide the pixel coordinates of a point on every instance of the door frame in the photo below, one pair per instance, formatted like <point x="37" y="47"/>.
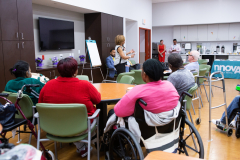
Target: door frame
<point x="150" y="41"/>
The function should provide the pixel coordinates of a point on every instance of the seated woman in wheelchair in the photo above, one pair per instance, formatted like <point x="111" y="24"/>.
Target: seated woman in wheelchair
<point x="22" y="71"/>
<point x="160" y="96"/>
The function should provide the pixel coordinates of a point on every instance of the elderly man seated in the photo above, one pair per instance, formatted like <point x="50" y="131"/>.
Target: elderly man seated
<point x="193" y="59"/>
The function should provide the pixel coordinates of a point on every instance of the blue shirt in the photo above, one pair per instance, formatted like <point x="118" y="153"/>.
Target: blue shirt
<point x="192" y="66"/>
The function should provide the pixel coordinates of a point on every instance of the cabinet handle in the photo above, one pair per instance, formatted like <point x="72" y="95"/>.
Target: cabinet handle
<point x="22" y="44"/>
<point x="22" y="36"/>
<point x="17" y="35"/>
<point x="18" y="45"/>
<point x="54" y="73"/>
<point x="50" y="75"/>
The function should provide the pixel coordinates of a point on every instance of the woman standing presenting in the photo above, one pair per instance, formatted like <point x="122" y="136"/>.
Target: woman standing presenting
<point x="161" y="51"/>
<point x="121" y="56"/>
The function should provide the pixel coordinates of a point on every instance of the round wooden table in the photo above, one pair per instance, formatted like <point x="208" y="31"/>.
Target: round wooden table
<point x="110" y="93"/>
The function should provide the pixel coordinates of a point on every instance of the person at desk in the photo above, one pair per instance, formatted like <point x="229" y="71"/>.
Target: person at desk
<point x="22" y="71"/>
<point x="69" y="89"/>
<point x="110" y="63"/>
<point x="121" y="56"/>
<point x="161" y="51"/>
<point x="193" y="59"/>
<point x="181" y="78"/>
<point x="175" y="48"/>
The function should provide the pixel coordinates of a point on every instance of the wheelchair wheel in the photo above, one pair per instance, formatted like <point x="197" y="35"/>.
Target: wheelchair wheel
<point x="49" y="155"/>
<point x="123" y="145"/>
<point x="190" y="142"/>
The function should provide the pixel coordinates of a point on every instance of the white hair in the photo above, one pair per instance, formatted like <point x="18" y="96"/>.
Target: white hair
<point x="195" y="54"/>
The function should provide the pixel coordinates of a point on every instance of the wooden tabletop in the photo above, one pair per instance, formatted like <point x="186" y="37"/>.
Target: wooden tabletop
<point x="160" y="155"/>
<point x="111" y="91"/>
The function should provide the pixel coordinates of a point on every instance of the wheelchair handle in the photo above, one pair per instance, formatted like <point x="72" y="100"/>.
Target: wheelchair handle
<point x="187" y="94"/>
<point x="32" y="85"/>
<point x="4" y="94"/>
<point x="143" y="102"/>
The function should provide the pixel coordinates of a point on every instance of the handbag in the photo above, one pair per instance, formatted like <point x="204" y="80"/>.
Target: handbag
<point x="120" y="67"/>
<point x="7" y="114"/>
<point x="167" y="142"/>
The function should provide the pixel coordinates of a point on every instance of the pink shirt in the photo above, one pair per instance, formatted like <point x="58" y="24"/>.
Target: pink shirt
<point x="160" y="96"/>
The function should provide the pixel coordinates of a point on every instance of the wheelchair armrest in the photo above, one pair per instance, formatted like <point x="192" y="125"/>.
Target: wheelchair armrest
<point x="94" y="115"/>
<point x="4" y="94"/>
<point x="36" y="115"/>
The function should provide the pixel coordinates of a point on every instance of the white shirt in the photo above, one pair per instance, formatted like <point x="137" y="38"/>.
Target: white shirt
<point x="175" y="47"/>
<point x="118" y="57"/>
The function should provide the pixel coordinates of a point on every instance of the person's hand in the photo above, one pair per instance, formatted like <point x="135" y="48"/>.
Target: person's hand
<point x="133" y="51"/>
<point x="132" y="55"/>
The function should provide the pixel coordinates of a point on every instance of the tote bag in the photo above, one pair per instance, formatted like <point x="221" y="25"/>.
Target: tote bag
<point x="167" y="142"/>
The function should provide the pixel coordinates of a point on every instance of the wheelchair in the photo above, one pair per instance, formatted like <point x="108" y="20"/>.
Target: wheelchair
<point x="120" y="143"/>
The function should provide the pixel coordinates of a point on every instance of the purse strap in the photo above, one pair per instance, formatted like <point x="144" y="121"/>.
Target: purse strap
<point x="119" y="55"/>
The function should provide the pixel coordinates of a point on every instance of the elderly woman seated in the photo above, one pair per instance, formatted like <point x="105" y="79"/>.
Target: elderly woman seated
<point x="69" y="89"/>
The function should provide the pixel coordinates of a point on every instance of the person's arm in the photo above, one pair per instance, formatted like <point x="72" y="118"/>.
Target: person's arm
<point x="170" y="50"/>
<point x="159" y="51"/>
<point x="164" y="49"/>
<point x="95" y="96"/>
<point x="178" y="49"/>
<point x="108" y="63"/>
<point x="121" y="53"/>
<point x="125" y="107"/>
<point x="132" y="51"/>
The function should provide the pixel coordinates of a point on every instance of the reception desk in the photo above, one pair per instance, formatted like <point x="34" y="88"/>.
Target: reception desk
<point x="230" y="68"/>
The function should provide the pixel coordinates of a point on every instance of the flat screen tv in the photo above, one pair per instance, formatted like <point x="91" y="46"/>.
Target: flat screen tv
<point x="55" y="34"/>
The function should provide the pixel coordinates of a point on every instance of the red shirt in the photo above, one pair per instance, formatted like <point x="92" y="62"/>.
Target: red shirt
<point x="70" y="90"/>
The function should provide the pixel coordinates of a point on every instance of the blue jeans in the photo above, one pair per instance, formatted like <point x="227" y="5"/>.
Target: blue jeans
<point x="232" y="110"/>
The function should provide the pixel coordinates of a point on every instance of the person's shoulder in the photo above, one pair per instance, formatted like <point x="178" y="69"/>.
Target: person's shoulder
<point x="33" y="80"/>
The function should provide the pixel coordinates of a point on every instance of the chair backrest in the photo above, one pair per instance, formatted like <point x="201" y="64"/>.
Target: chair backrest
<point x="149" y="131"/>
<point x="62" y="119"/>
<point x="25" y="103"/>
<point x="202" y="61"/>
<point x="127" y="79"/>
<point x="208" y="67"/>
<point x="202" y="72"/>
<point x="124" y="73"/>
<point x="192" y="91"/>
<point x="133" y="62"/>
<point x="138" y="77"/>
<point x="82" y="77"/>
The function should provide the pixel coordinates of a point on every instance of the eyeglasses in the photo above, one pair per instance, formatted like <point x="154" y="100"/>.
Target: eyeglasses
<point x="190" y="55"/>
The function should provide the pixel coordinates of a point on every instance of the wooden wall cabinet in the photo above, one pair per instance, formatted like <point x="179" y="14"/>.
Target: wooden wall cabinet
<point x="16" y="36"/>
<point x="103" y="28"/>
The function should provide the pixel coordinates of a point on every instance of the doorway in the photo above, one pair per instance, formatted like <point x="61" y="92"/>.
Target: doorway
<point x="144" y="44"/>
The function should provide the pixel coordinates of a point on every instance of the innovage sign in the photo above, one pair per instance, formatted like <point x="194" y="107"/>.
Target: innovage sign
<point x="228" y="68"/>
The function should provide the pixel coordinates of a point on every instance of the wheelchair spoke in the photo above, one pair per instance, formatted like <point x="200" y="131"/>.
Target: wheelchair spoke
<point x="191" y="148"/>
<point x="185" y="151"/>
<point x="121" y="146"/>
<point x="188" y="136"/>
<point x="117" y="152"/>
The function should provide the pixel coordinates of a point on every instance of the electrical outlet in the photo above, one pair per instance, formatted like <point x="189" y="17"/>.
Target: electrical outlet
<point x="61" y="56"/>
<point x="72" y="54"/>
<point x="78" y="51"/>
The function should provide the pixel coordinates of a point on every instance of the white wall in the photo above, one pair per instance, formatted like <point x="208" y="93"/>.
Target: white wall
<point x="132" y="34"/>
<point x="195" y="12"/>
<point x="131" y="9"/>
<point x="142" y="40"/>
<point x="79" y="33"/>
<point x="164" y="33"/>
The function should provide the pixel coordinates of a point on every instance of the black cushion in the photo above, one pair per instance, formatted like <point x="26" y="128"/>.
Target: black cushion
<point x="17" y="123"/>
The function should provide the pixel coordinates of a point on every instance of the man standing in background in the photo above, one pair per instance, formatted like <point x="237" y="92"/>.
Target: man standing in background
<point x="175" y="48"/>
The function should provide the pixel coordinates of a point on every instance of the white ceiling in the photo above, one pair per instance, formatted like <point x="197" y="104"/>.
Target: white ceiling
<point x="53" y="4"/>
<point x="160" y="1"/>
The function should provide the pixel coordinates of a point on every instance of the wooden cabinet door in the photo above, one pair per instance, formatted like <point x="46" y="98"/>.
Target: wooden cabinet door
<point x="184" y="33"/>
<point x="46" y="73"/>
<point x="202" y="33"/>
<point x="2" y="80"/>
<point x="106" y="23"/>
<point x="212" y="32"/>
<point x="177" y="33"/>
<point x="9" y="20"/>
<point x="25" y="20"/>
<point x="105" y="52"/>
<point x="117" y="27"/>
<point x="11" y="54"/>
<point x="28" y="53"/>
<point x="192" y="33"/>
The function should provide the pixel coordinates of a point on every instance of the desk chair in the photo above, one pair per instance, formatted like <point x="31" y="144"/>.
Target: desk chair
<point x="208" y="67"/>
<point x="202" y="61"/>
<point x="106" y="80"/>
<point x="28" y="110"/>
<point x="202" y="72"/>
<point x="67" y="123"/>
<point x="138" y="77"/>
<point x="123" y="74"/>
<point x="127" y="79"/>
<point x="82" y="77"/>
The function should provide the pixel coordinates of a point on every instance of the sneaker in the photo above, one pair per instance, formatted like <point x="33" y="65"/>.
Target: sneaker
<point x="217" y="122"/>
<point x="84" y="152"/>
<point x="232" y="125"/>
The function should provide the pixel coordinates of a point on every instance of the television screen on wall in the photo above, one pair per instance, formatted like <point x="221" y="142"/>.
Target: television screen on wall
<point x="55" y="34"/>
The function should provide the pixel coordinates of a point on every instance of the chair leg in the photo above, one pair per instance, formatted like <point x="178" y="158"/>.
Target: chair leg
<point x="30" y="137"/>
<point x="205" y="91"/>
<point x="190" y="116"/>
<point x="38" y="135"/>
<point x="55" y="146"/>
<point x="19" y="139"/>
<point x="193" y="109"/>
<point x="200" y="97"/>
<point x="200" y="89"/>
<point x="89" y="140"/>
